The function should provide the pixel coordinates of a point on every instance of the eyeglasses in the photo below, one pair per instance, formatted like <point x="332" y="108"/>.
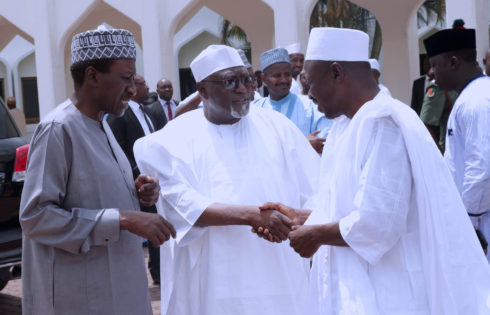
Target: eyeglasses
<point x="232" y="83"/>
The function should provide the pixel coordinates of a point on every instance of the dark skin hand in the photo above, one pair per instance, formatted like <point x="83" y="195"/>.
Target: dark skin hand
<point x="223" y="214"/>
<point x="151" y="226"/>
<point x="304" y="239"/>
<point x="297" y="216"/>
<point x="316" y="143"/>
<point x="148" y="189"/>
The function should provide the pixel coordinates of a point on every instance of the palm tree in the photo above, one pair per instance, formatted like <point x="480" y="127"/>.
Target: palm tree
<point x="345" y="14"/>
<point x="230" y="31"/>
<point x="431" y="8"/>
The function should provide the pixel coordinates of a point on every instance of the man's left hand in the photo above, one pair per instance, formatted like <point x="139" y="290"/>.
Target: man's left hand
<point x="305" y="240"/>
<point x="148" y="189"/>
<point x="316" y="143"/>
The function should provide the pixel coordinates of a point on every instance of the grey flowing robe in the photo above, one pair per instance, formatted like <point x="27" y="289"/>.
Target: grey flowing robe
<point x="75" y="258"/>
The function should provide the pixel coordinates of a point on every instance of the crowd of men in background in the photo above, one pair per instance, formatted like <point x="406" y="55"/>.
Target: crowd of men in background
<point x="311" y="149"/>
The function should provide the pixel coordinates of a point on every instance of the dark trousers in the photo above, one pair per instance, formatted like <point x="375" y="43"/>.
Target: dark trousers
<point x="154" y="262"/>
<point x="153" y="253"/>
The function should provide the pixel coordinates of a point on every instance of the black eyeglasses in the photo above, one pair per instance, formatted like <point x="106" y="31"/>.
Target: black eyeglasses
<point x="232" y="83"/>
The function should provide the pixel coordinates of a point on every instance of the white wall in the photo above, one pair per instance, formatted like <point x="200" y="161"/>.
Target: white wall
<point x="194" y="47"/>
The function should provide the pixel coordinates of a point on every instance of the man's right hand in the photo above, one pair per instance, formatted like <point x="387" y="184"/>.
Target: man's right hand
<point x="316" y="143"/>
<point x="277" y="224"/>
<point x="151" y="226"/>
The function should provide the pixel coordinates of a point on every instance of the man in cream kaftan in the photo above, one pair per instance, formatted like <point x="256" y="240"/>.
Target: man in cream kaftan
<point x="261" y="156"/>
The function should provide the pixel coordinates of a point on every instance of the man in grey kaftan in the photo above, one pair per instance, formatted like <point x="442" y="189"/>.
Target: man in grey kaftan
<point x="81" y="249"/>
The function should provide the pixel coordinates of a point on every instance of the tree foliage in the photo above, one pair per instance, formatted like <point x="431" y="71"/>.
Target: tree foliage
<point x="429" y="10"/>
<point x="345" y="14"/>
<point x="230" y="32"/>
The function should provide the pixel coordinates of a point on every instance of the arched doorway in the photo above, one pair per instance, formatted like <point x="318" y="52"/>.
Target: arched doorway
<point x="205" y="28"/>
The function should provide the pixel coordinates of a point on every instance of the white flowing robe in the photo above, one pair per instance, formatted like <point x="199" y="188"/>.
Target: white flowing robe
<point x="227" y="269"/>
<point x="412" y="249"/>
<point x="468" y="151"/>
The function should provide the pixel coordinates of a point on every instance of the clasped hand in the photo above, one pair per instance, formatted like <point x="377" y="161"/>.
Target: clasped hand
<point x="278" y="213"/>
<point x="148" y="189"/>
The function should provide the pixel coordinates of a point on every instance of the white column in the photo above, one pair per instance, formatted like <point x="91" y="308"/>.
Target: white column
<point x="49" y="65"/>
<point x="285" y="21"/>
<point x="475" y="15"/>
<point x="152" y="41"/>
<point x="400" y="58"/>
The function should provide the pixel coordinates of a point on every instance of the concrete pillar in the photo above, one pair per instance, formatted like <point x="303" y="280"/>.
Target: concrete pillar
<point x="152" y="37"/>
<point x="285" y="21"/>
<point x="475" y="15"/>
<point x="49" y="66"/>
<point x="398" y="21"/>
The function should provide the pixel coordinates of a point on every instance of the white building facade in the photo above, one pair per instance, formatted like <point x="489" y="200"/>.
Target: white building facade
<point x="35" y="38"/>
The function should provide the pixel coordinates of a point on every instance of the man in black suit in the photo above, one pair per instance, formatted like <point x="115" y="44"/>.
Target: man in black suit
<point x="164" y="108"/>
<point x="137" y="122"/>
<point x="418" y="88"/>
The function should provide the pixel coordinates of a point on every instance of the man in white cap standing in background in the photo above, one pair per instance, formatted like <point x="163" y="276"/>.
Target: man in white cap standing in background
<point x="388" y="227"/>
<point x="296" y="59"/>
<point x="376" y="71"/>
<point x="215" y="175"/>
<point x="79" y="212"/>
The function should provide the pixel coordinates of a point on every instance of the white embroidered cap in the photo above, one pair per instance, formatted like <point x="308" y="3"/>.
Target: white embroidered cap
<point x="213" y="59"/>
<point x="337" y="44"/>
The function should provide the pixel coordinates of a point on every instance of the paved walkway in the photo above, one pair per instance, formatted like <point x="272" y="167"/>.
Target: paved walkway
<point x="11" y="302"/>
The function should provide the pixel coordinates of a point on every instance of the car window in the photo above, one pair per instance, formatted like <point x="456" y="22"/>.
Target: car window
<point x="7" y="128"/>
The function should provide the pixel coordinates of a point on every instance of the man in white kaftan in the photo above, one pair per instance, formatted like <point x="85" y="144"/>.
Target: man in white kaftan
<point x="468" y="136"/>
<point x="296" y="59"/>
<point x="221" y="268"/>
<point x="388" y="230"/>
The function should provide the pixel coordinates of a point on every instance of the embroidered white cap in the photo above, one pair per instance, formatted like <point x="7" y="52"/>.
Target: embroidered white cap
<point x="295" y="49"/>
<point x="337" y="44"/>
<point x="213" y="59"/>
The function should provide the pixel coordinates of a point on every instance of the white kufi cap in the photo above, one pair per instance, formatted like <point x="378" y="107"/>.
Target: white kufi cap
<point x="374" y="64"/>
<point x="337" y="44"/>
<point x="213" y="59"/>
<point x="295" y="49"/>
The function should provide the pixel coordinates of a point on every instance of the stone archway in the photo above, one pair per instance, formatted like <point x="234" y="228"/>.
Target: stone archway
<point x="255" y="17"/>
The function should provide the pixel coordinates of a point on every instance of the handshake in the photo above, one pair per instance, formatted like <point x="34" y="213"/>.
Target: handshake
<point x="276" y="220"/>
<point x="279" y="222"/>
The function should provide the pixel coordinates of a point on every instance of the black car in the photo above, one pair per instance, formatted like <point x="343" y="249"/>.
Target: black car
<point x="13" y="158"/>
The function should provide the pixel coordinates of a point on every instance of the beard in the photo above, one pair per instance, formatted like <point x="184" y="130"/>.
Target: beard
<point x="241" y="111"/>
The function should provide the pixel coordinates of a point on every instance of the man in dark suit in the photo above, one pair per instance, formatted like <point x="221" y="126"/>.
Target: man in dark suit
<point x="137" y="122"/>
<point x="164" y="108"/>
<point x="418" y="88"/>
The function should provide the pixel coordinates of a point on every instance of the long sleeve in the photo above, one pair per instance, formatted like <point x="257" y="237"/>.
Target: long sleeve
<point x="475" y="121"/>
<point x="42" y="215"/>
<point x="382" y="200"/>
<point x="181" y="203"/>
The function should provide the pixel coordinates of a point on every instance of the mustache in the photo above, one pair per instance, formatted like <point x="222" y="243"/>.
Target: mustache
<point x="282" y="84"/>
